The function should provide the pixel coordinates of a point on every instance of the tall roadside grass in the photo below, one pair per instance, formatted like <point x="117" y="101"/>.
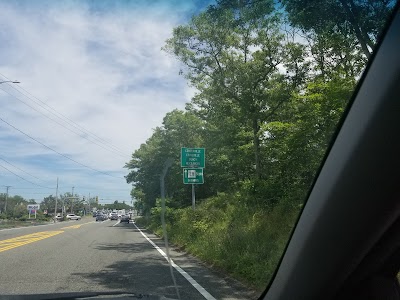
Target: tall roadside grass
<point x="244" y="241"/>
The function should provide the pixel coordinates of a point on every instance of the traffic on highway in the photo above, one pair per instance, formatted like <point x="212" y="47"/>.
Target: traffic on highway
<point x="199" y="149"/>
<point x="111" y="256"/>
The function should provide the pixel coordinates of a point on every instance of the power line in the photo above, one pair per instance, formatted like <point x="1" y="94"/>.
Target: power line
<point x="60" y="124"/>
<point x="67" y="120"/>
<point x="31" y="188"/>
<point x="21" y="169"/>
<point x="83" y="165"/>
<point x="24" y="178"/>
<point x="103" y="191"/>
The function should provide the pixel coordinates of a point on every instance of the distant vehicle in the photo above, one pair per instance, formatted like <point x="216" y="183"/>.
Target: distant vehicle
<point x="58" y="218"/>
<point x="121" y="212"/>
<point x="73" y="217"/>
<point x="101" y="217"/>
<point x="94" y="214"/>
<point x="125" y="218"/>
<point x="113" y="216"/>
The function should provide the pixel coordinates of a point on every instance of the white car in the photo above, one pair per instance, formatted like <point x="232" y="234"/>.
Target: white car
<point x="73" y="217"/>
<point x="58" y="218"/>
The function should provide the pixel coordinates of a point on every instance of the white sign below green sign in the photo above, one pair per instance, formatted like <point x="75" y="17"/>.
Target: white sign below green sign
<point x="193" y="176"/>
<point x="193" y="160"/>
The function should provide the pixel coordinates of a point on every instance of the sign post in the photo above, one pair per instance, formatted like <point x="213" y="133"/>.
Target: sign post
<point x="193" y="161"/>
<point x="31" y="208"/>
<point x="193" y="198"/>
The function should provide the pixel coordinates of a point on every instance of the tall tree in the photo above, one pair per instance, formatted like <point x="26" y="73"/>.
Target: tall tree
<point x="49" y="204"/>
<point x="180" y="129"/>
<point x="355" y="20"/>
<point x="232" y="53"/>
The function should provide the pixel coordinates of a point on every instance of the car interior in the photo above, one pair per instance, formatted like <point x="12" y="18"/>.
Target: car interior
<point x="346" y="244"/>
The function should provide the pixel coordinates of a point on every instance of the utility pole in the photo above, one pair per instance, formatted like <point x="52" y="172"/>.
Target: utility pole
<point x="55" y="208"/>
<point x="72" y="198"/>
<point x="5" y="204"/>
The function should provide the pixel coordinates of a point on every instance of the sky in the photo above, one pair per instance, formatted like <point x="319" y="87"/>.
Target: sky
<point x="93" y="84"/>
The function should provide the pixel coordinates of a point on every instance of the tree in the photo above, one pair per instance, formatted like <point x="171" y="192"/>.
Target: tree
<point x="354" y="20"/>
<point x="19" y="210"/>
<point x="232" y="53"/>
<point x="49" y="204"/>
<point x="180" y="129"/>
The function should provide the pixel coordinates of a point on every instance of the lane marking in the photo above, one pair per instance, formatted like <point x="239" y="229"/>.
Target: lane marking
<point x="26" y="239"/>
<point x="35" y="226"/>
<point x="77" y="225"/>
<point x="189" y="278"/>
<point x="119" y="221"/>
<point x="72" y="227"/>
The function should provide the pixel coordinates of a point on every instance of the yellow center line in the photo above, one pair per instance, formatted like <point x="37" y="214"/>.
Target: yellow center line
<point x="33" y="237"/>
<point x="77" y="226"/>
<point x="73" y="226"/>
<point x="26" y="239"/>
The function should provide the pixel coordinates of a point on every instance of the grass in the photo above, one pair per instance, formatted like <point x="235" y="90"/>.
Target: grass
<point x="4" y="224"/>
<point x="243" y="241"/>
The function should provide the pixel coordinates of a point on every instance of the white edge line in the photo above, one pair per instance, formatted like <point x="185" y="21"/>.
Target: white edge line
<point x="117" y="223"/>
<point x="189" y="278"/>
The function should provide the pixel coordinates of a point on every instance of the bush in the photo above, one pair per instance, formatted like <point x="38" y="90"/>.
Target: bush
<point x="227" y="232"/>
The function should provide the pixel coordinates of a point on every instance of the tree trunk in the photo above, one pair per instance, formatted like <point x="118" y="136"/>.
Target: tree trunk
<point x="356" y="28"/>
<point x="256" y="143"/>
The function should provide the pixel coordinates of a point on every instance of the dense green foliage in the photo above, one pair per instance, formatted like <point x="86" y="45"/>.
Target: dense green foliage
<point x="267" y="105"/>
<point x="65" y="201"/>
<point x="14" y="207"/>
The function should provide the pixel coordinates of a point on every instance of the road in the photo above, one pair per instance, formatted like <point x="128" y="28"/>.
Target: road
<point x="82" y="256"/>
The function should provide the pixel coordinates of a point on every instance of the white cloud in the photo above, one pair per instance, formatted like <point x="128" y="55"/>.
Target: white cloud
<point x="103" y="70"/>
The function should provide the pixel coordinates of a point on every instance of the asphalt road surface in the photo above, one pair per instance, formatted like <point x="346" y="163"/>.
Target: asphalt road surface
<point x="89" y="256"/>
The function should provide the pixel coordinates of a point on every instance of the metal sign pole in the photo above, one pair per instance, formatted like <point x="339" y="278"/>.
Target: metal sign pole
<point x="193" y="198"/>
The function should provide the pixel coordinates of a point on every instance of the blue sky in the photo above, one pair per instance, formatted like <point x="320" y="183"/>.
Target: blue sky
<point x="94" y="83"/>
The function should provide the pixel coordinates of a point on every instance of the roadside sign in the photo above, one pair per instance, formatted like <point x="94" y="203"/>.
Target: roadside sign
<point x="193" y="157"/>
<point x="33" y="207"/>
<point x="193" y="176"/>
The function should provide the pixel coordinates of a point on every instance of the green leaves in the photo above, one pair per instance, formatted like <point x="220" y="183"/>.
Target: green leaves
<point x="268" y="100"/>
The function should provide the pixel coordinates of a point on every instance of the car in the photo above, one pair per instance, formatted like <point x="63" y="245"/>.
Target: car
<point x="101" y="217"/>
<point x="58" y="218"/>
<point x="346" y="242"/>
<point x="73" y="217"/>
<point x="94" y="214"/>
<point x="125" y="219"/>
<point x="113" y="216"/>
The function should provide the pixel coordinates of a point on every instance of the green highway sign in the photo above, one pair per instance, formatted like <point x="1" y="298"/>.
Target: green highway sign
<point x="193" y="157"/>
<point x="193" y="176"/>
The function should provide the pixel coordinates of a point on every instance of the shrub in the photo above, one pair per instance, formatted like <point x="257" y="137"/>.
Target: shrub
<point x="227" y="232"/>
